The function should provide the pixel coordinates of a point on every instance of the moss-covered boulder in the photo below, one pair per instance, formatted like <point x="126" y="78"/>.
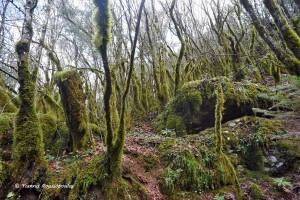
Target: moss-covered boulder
<point x="246" y="140"/>
<point x="193" y="108"/>
<point x="282" y="156"/>
<point x="192" y="169"/>
<point x="73" y="100"/>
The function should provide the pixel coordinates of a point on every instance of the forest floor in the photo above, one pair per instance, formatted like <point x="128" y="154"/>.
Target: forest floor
<point x="142" y="142"/>
<point x="141" y="160"/>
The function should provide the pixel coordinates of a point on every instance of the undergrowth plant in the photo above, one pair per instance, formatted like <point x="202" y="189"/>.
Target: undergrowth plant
<point x="218" y="197"/>
<point x="295" y="80"/>
<point x="280" y="182"/>
<point x="187" y="172"/>
<point x="168" y="133"/>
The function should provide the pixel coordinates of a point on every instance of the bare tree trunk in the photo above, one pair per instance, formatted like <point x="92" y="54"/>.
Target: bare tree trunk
<point x="2" y="35"/>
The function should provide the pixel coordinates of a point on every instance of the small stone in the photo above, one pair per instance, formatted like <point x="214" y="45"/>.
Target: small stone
<point x="230" y="151"/>
<point x="267" y="169"/>
<point x="265" y="159"/>
<point x="226" y="131"/>
<point x="279" y="165"/>
<point x="273" y="159"/>
<point x="240" y="167"/>
<point x="232" y="124"/>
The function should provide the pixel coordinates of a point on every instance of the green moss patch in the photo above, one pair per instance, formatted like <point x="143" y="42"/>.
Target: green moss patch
<point x="49" y="128"/>
<point x="90" y="180"/>
<point x="194" y="105"/>
<point x="176" y="123"/>
<point x="192" y="170"/>
<point x="256" y="192"/>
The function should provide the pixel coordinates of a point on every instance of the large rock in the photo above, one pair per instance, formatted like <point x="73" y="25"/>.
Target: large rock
<point x="193" y="108"/>
<point x="281" y="156"/>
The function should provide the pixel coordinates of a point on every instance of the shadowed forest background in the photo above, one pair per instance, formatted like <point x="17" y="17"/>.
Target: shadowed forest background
<point x="150" y="99"/>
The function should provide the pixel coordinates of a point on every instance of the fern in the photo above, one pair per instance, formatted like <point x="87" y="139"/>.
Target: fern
<point x="217" y="197"/>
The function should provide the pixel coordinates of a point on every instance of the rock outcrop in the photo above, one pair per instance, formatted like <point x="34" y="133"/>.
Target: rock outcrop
<point x="193" y="108"/>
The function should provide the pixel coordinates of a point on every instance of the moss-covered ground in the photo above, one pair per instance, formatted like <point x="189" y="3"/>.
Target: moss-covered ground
<point x="157" y="166"/>
<point x="164" y="165"/>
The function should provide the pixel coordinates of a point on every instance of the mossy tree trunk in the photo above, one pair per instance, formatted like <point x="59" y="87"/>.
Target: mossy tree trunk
<point x="144" y="87"/>
<point x="154" y="63"/>
<point x="73" y="100"/>
<point x="236" y="46"/>
<point x="28" y="149"/>
<point x="223" y="163"/>
<point x="290" y="36"/>
<point x="218" y="118"/>
<point x="114" y="141"/>
<point x="137" y="97"/>
<point x="295" y="20"/>
<point x="291" y="63"/>
<point x="114" y="103"/>
<point x="165" y="90"/>
<point x="120" y="139"/>
<point x="101" y="41"/>
<point x="182" y="48"/>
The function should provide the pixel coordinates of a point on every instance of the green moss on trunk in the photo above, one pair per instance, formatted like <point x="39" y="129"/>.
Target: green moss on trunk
<point x="218" y="118"/>
<point x="28" y="147"/>
<point x="290" y="36"/>
<point x="73" y="100"/>
<point x="114" y="103"/>
<point x="49" y="127"/>
<point x="138" y="106"/>
<point x="226" y="169"/>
